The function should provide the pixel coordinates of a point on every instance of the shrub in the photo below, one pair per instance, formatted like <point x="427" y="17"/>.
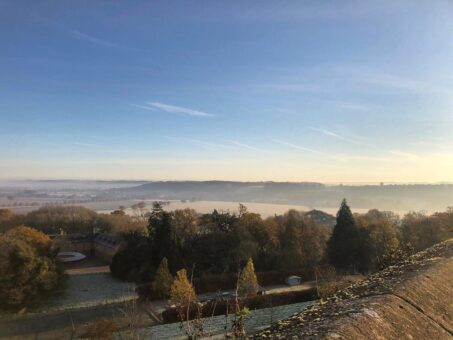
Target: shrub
<point x="254" y="302"/>
<point x="227" y="281"/>
<point x="212" y="283"/>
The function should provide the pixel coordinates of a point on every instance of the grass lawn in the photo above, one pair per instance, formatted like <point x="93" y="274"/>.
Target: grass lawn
<point x="87" y="290"/>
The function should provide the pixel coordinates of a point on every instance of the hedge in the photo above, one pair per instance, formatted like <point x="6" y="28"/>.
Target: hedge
<point x="214" y="283"/>
<point x="256" y="302"/>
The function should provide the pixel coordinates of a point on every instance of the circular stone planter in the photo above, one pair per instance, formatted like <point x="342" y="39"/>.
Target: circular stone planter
<point x="70" y="256"/>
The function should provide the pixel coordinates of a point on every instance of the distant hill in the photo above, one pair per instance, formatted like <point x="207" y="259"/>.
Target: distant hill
<point x="385" y="197"/>
<point x="321" y="217"/>
<point x="394" y="197"/>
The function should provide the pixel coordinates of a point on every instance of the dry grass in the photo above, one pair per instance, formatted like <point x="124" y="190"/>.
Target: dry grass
<point x="101" y="330"/>
<point x="328" y="282"/>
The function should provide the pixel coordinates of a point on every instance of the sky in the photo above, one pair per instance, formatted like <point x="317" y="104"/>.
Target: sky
<point x="326" y="91"/>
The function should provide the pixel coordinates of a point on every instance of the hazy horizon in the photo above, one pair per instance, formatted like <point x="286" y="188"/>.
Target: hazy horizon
<point x="139" y="180"/>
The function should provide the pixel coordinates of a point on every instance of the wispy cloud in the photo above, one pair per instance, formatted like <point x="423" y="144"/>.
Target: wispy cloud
<point x="405" y="84"/>
<point x="144" y="107"/>
<point x="294" y="87"/>
<point x="341" y="137"/>
<point x="90" y="145"/>
<point x="327" y="132"/>
<point x="94" y="40"/>
<point x="353" y="106"/>
<point x="294" y="146"/>
<point x="101" y="138"/>
<point x="203" y="143"/>
<point x="364" y="79"/>
<point x="245" y="146"/>
<point x="232" y="144"/>
<point x="363" y="158"/>
<point x="352" y="79"/>
<point x="153" y="106"/>
<point x="82" y="35"/>
<point x="406" y="155"/>
<point x="315" y="10"/>
<point x="383" y="158"/>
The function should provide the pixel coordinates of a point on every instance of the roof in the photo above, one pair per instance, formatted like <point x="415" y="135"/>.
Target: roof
<point x="410" y="299"/>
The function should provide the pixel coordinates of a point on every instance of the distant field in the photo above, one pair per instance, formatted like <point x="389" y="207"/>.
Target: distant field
<point x="264" y="209"/>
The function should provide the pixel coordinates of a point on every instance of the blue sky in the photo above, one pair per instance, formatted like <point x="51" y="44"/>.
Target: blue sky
<point x="330" y="91"/>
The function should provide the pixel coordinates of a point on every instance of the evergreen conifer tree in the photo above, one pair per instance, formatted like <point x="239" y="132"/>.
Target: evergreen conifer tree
<point x="163" y="279"/>
<point x="344" y="244"/>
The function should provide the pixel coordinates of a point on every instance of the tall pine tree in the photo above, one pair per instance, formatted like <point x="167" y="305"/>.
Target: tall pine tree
<point x="163" y="238"/>
<point x="343" y="246"/>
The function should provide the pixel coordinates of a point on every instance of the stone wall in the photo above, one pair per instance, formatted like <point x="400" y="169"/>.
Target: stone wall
<point x="411" y="300"/>
<point x="101" y="246"/>
<point x="104" y="252"/>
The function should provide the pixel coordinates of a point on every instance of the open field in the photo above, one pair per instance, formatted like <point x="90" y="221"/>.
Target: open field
<point x="85" y="297"/>
<point x="88" y="290"/>
<point x="264" y="209"/>
<point x="84" y="290"/>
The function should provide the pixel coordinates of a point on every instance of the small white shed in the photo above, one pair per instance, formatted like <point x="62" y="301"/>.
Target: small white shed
<point x="293" y="280"/>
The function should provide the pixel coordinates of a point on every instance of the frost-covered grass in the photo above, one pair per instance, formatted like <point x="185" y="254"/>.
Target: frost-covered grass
<point x="87" y="290"/>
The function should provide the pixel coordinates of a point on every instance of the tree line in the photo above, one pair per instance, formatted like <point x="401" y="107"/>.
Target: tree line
<point x="293" y="243"/>
<point x="73" y="219"/>
<point x="156" y="245"/>
<point x="220" y="242"/>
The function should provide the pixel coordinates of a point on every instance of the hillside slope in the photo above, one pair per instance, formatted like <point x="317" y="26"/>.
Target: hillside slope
<point x="394" y="197"/>
<point x="412" y="300"/>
